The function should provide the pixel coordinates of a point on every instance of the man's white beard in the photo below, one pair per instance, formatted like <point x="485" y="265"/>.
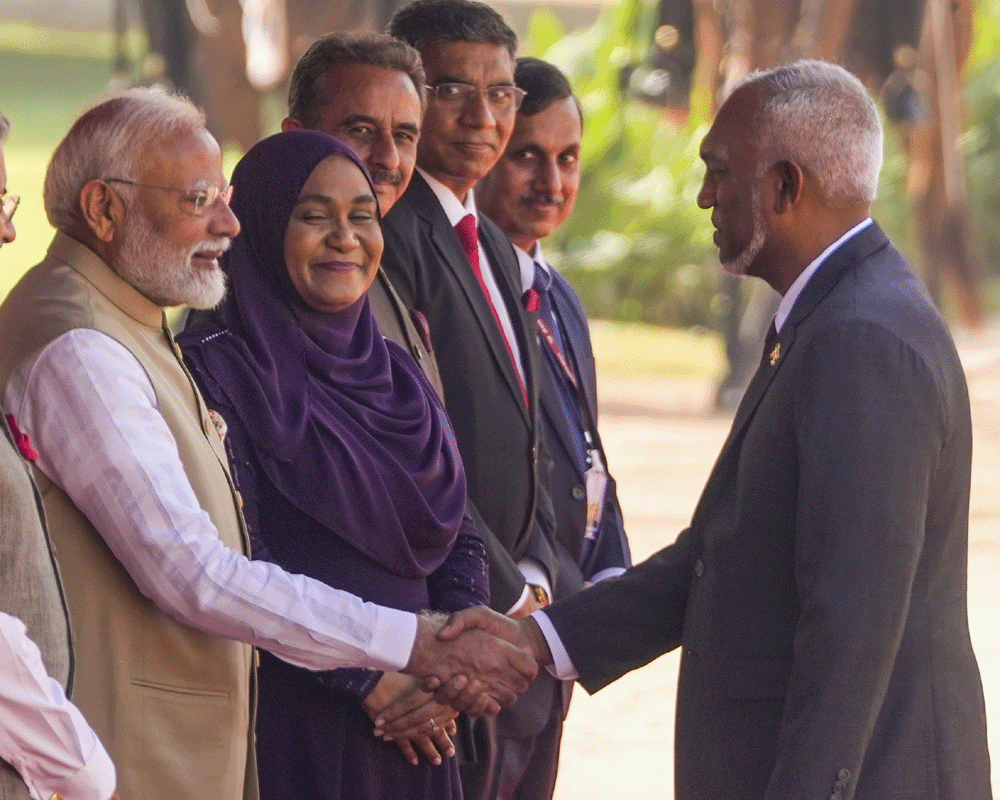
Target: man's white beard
<point x="163" y="273"/>
<point x="741" y="263"/>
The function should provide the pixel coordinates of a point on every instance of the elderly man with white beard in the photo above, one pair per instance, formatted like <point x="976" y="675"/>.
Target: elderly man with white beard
<point x="133" y="474"/>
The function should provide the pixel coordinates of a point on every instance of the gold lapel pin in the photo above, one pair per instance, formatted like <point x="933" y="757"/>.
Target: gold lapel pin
<point x="775" y="354"/>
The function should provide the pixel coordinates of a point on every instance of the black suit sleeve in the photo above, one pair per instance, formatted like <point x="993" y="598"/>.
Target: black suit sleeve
<point x="624" y="623"/>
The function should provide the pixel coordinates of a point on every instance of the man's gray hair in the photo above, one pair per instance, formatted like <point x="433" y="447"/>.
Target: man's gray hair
<point x="4" y="128"/>
<point x="821" y="117"/>
<point x="307" y="86"/>
<point x="107" y="141"/>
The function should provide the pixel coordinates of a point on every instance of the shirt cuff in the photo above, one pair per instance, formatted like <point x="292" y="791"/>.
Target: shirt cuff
<point x="525" y="594"/>
<point x="610" y="572"/>
<point x="561" y="665"/>
<point x="534" y="573"/>
<point x="393" y="636"/>
<point x="95" y="780"/>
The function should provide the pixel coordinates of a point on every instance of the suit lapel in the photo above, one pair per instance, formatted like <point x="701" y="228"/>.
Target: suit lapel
<point x="552" y="408"/>
<point x="452" y="256"/>
<point x="500" y="253"/>
<point x="573" y="323"/>
<point x="858" y="248"/>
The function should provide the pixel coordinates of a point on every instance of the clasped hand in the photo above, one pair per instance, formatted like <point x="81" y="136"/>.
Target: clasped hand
<point x="435" y="725"/>
<point x="475" y="661"/>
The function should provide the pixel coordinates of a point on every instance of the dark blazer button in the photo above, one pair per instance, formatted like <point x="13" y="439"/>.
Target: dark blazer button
<point x="699" y="567"/>
<point x="843" y="775"/>
<point x="835" y="796"/>
<point x="839" y="786"/>
<point x="578" y="492"/>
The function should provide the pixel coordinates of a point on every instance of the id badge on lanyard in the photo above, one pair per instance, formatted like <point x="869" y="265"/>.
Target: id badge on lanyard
<point x="597" y="487"/>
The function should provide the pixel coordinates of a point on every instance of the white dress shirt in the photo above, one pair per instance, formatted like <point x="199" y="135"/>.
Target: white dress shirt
<point x="562" y="665"/>
<point x="42" y="734"/>
<point x="526" y="264"/>
<point x="90" y="410"/>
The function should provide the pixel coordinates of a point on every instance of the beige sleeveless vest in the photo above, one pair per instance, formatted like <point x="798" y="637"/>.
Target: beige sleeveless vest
<point x="171" y="704"/>
<point x="29" y="583"/>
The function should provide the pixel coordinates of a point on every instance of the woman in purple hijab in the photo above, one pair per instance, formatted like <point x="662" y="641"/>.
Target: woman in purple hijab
<point x="344" y="456"/>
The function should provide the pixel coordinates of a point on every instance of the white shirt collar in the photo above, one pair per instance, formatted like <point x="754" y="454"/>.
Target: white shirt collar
<point x="454" y="208"/>
<point x="527" y="263"/>
<point x="789" y="298"/>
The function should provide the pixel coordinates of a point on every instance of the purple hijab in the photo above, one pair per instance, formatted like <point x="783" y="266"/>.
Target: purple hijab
<point x="343" y="423"/>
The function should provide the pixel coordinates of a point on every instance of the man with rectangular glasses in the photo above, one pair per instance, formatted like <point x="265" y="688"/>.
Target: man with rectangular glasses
<point x="459" y="270"/>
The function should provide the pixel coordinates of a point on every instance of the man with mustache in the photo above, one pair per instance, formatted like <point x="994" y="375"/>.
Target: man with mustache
<point x="133" y="472"/>
<point x="528" y="194"/>
<point x="819" y="596"/>
<point x="368" y="90"/>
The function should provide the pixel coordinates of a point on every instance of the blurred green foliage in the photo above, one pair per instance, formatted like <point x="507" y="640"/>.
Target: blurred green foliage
<point x="637" y="247"/>
<point x="981" y="141"/>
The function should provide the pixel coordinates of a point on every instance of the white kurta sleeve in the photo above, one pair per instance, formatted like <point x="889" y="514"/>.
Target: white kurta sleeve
<point x="90" y="410"/>
<point x="42" y="734"/>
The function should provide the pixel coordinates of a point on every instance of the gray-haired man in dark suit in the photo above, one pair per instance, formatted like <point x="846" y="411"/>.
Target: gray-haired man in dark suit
<point x="819" y="596"/>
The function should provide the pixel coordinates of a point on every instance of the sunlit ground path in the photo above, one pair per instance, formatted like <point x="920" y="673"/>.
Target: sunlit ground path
<point x="662" y="439"/>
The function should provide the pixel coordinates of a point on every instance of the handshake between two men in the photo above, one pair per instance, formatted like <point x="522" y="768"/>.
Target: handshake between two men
<point x="475" y="660"/>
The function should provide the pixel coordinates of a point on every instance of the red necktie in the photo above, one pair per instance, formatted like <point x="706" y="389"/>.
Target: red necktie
<point x="468" y="235"/>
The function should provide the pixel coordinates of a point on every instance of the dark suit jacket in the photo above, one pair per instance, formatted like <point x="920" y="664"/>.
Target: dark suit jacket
<point x="396" y="323"/>
<point x="497" y="432"/>
<point x="820" y="592"/>
<point x="567" y="484"/>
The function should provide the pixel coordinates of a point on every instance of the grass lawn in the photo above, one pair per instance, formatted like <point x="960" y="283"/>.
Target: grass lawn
<point x="635" y="350"/>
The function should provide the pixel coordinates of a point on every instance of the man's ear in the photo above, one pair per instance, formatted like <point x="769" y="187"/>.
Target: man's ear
<point x="291" y="124"/>
<point x="788" y="181"/>
<point x="102" y="210"/>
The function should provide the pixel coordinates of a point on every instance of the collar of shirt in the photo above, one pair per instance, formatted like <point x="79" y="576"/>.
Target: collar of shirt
<point x="789" y="298"/>
<point x="526" y="263"/>
<point x="454" y="208"/>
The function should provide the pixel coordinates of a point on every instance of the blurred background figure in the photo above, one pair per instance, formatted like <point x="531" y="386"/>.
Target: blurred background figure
<point x="909" y="52"/>
<point x="46" y="746"/>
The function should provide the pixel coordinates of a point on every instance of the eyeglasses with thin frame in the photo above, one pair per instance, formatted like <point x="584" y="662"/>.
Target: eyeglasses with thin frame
<point x="10" y="203"/>
<point x="193" y="201"/>
<point x="500" y="98"/>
